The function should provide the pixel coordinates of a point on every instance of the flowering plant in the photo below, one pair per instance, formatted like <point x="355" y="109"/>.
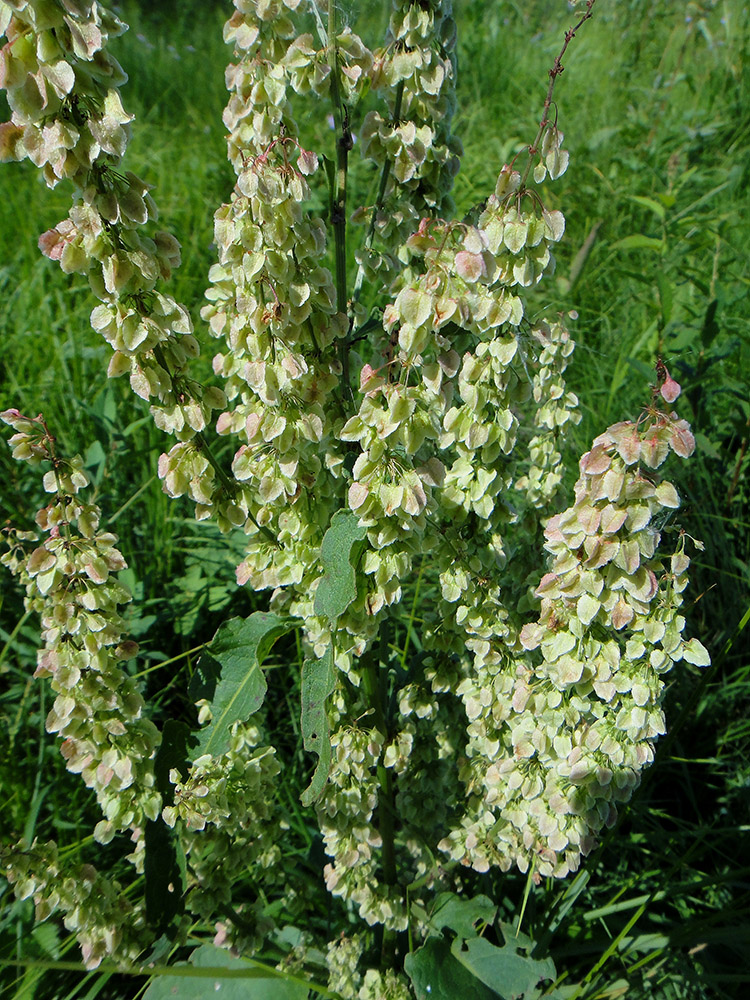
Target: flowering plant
<point x="397" y="421"/>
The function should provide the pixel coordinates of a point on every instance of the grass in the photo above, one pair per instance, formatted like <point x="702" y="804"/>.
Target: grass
<point x="655" y="104"/>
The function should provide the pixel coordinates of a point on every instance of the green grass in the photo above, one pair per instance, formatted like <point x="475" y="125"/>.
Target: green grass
<point x="656" y="112"/>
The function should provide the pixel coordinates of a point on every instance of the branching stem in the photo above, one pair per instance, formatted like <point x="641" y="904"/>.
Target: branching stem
<point x="555" y="71"/>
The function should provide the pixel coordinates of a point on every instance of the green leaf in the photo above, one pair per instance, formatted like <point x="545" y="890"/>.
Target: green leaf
<point x="654" y="206"/>
<point x="503" y="970"/>
<point x="461" y="915"/>
<point x="639" y="242"/>
<point x="342" y="546"/>
<point x="239" y="647"/>
<point x="665" y="297"/>
<point x="436" y="975"/>
<point x="246" y="980"/>
<point x="318" y="680"/>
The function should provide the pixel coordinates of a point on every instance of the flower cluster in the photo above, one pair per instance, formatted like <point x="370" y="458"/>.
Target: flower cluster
<point x="67" y="118"/>
<point x="345" y="815"/>
<point x="273" y="305"/>
<point x="227" y="819"/>
<point x="412" y="142"/>
<point x="343" y="958"/>
<point x="70" y="581"/>
<point x="94" y="908"/>
<point x="503" y="741"/>
<point x="556" y="410"/>
<point x="556" y="741"/>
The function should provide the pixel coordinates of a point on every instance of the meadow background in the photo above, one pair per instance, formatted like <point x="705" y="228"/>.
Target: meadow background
<point x="655" y="106"/>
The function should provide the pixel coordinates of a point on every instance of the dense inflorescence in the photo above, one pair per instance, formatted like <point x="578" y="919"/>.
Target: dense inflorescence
<point x="429" y="407"/>
<point x="94" y="907"/>
<point x="70" y="580"/>
<point x="67" y="118"/>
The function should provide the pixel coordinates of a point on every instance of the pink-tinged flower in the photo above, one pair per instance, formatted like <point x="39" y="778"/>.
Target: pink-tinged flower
<point x="670" y="389"/>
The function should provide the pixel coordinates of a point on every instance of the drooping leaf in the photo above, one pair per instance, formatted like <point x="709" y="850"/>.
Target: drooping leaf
<point x="504" y="970"/>
<point x="212" y="971"/>
<point x="639" y="242"/>
<point x="436" y="975"/>
<point x="239" y="646"/>
<point x="461" y="915"/>
<point x="341" y="548"/>
<point x="318" y="679"/>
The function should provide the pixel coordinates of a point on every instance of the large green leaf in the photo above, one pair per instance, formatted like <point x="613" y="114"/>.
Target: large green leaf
<point x="461" y="915"/>
<point x="504" y="970"/>
<point x="436" y="975"/>
<point x="342" y="546"/>
<point x="206" y="980"/>
<point x="239" y="647"/>
<point x="318" y="680"/>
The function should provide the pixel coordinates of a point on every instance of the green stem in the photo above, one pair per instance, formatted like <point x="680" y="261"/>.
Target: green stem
<point x="384" y="176"/>
<point x="344" y="143"/>
<point x="373" y="682"/>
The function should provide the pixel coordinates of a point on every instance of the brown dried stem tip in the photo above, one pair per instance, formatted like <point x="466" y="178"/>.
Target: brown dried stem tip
<point x="554" y="72"/>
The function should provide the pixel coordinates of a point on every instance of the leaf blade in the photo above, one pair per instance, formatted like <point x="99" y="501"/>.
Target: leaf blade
<point x="318" y="682"/>
<point x="239" y="646"/>
<point x="339" y="552"/>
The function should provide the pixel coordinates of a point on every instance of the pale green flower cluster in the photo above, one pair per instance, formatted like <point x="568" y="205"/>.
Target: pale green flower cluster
<point x="70" y="581"/>
<point x="94" y="908"/>
<point x="556" y="410"/>
<point x="345" y="815"/>
<point x="343" y="959"/>
<point x="388" y="985"/>
<point x="67" y="118"/>
<point x="411" y="141"/>
<point x="273" y="305"/>
<point x="227" y="818"/>
<point x="512" y="741"/>
<point x="556" y="742"/>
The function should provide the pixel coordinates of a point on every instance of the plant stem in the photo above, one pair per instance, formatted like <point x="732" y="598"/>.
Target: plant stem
<point x="384" y="176"/>
<point x="557" y="68"/>
<point x="344" y="143"/>
<point x="373" y="682"/>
